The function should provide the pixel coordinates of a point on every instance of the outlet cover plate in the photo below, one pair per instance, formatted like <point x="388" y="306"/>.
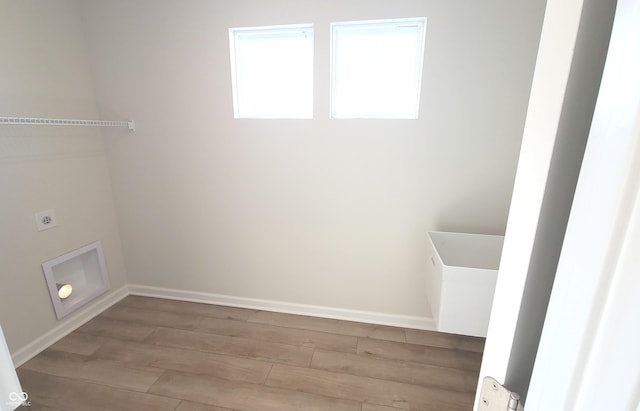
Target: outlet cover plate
<point x="46" y="220"/>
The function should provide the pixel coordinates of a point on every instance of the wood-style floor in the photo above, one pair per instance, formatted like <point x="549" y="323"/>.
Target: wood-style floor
<point x="154" y="354"/>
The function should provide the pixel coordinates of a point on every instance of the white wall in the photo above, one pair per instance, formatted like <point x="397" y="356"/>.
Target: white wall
<point x="323" y="212"/>
<point x="44" y="72"/>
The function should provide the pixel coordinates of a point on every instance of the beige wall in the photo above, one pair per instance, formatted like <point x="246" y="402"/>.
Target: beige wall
<point x="44" y="72"/>
<point x="324" y="212"/>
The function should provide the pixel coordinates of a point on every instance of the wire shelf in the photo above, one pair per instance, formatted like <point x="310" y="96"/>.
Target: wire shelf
<point x="66" y="122"/>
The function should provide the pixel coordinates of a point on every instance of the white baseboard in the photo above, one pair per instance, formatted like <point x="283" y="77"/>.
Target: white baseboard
<point x="406" y="321"/>
<point x="38" y="345"/>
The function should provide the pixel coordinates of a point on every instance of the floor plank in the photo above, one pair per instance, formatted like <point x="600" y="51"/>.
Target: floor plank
<point x="369" y="390"/>
<point x="106" y="327"/>
<point x="152" y="317"/>
<point x="197" y="362"/>
<point x="279" y="353"/>
<point x="444" y="340"/>
<point x="244" y="396"/>
<point x="283" y="335"/>
<point x="187" y="308"/>
<point x="328" y="325"/>
<point x="466" y="360"/>
<point x="72" y="394"/>
<point x="393" y="370"/>
<point x="376" y="407"/>
<point x="107" y="372"/>
<point x="194" y="406"/>
<point x="78" y="343"/>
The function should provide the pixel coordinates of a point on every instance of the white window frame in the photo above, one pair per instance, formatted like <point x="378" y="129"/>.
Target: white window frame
<point x="236" y="36"/>
<point x="377" y="27"/>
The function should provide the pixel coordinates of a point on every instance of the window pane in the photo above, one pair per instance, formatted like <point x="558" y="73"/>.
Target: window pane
<point x="272" y="70"/>
<point x="377" y="68"/>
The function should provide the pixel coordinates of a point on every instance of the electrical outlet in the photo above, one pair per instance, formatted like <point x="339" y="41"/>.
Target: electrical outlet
<point x="46" y="220"/>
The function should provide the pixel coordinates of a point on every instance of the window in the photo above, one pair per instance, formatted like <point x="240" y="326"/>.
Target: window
<point x="377" y="68"/>
<point x="272" y="71"/>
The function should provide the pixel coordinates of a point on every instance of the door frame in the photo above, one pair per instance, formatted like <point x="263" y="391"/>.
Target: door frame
<point x="604" y="199"/>
<point x="588" y="357"/>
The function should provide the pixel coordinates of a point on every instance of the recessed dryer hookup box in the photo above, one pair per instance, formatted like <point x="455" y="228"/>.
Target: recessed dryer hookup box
<point x="76" y="278"/>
